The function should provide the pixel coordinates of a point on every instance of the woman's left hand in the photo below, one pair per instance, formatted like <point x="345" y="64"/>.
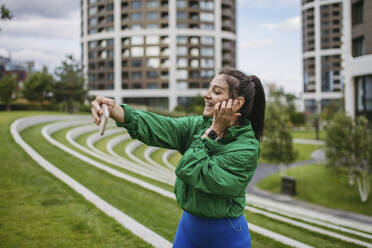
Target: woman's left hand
<point x="225" y="115"/>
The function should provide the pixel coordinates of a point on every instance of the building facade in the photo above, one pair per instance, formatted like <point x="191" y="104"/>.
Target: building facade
<point x="322" y="24"/>
<point x="156" y="52"/>
<point x="357" y="56"/>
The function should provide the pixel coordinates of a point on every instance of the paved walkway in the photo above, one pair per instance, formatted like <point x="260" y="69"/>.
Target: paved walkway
<point x="265" y="170"/>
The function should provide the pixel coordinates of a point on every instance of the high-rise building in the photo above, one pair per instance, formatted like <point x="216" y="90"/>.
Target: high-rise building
<point x="322" y="53"/>
<point x="156" y="52"/>
<point x="357" y="57"/>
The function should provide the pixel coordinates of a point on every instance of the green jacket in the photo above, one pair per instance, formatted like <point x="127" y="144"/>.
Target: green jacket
<point x="211" y="176"/>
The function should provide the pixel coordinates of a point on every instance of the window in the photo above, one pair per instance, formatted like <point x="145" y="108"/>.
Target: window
<point x="110" y="53"/>
<point x="110" y="19"/>
<point x="152" y="39"/>
<point x="182" y="62"/>
<point x="194" y="51"/>
<point x="182" y="51"/>
<point x="103" y="55"/>
<point x="194" y="40"/>
<point x="152" y="4"/>
<point x="137" y="40"/>
<point x="358" y="47"/>
<point x="136" y="26"/>
<point x="364" y="94"/>
<point x="181" y="25"/>
<point x="110" y="7"/>
<point x="152" y="51"/>
<point x="137" y="51"/>
<point x="92" y="22"/>
<point x="181" y="4"/>
<point x="110" y="42"/>
<point x="136" y="4"/>
<point x="110" y="76"/>
<point x="152" y="74"/>
<point x="207" y="26"/>
<point x="206" y="17"/>
<point x="153" y="62"/>
<point x="152" y="86"/>
<point x="136" y="75"/>
<point x="93" y="11"/>
<point x="181" y="74"/>
<point x="207" y="51"/>
<point x="181" y="39"/>
<point x="126" y="52"/>
<point x="136" y="16"/>
<point x="181" y="15"/>
<point x="165" y="63"/>
<point x="194" y="63"/>
<point x="182" y="85"/>
<point x="357" y="13"/>
<point x="152" y="15"/>
<point x="152" y="26"/>
<point x="207" y="5"/>
<point x="136" y="62"/>
<point x="92" y="44"/>
<point x="207" y="40"/>
<point x="207" y="73"/>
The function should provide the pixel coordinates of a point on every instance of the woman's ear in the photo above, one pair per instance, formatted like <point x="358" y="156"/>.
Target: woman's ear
<point x="241" y="101"/>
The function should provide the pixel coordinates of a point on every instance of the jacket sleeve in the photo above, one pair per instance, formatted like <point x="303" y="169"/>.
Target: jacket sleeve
<point x="226" y="174"/>
<point x="157" y="130"/>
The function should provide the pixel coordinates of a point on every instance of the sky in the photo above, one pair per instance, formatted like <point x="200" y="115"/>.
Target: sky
<point x="268" y="31"/>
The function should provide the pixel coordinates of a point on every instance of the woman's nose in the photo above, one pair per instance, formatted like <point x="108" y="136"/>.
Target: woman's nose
<point x="206" y="94"/>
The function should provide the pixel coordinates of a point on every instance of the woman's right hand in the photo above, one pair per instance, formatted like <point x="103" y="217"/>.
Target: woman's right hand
<point x="96" y="107"/>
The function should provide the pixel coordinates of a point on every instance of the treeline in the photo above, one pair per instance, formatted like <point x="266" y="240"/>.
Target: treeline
<point x="64" y="91"/>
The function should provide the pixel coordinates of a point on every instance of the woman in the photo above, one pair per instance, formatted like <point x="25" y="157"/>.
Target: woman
<point x="220" y="152"/>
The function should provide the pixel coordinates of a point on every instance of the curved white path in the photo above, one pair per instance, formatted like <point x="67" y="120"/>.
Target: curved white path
<point x="127" y="222"/>
<point x="331" y="234"/>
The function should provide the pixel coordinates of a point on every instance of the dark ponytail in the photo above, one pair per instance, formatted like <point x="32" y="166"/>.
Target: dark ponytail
<point x="251" y="89"/>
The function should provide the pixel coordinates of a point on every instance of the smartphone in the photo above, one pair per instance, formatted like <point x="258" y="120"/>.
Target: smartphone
<point x="104" y="119"/>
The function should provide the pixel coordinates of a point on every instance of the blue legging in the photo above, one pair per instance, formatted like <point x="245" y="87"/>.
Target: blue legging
<point x="196" y="232"/>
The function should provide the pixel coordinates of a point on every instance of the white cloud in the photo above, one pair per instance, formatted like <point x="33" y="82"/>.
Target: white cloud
<point x="293" y="23"/>
<point x="256" y="43"/>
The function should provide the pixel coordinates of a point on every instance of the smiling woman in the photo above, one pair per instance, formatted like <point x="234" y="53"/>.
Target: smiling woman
<point x="220" y="152"/>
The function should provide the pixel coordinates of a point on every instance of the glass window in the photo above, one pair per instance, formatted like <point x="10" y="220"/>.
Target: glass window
<point x="152" y="4"/>
<point x="136" y="75"/>
<point x="110" y="7"/>
<point x="181" y="50"/>
<point x="181" y="25"/>
<point x="153" y="62"/>
<point x="126" y="41"/>
<point x="181" y="39"/>
<point x="165" y="51"/>
<point x="358" y="47"/>
<point x="152" y="39"/>
<point x="194" y="51"/>
<point x="357" y="13"/>
<point x="152" y="74"/>
<point x="152" y="26"/>
<point x="136" y="16"/>
<point x="136" y="62"/>
<point x="103" y="43"/>
<point x="165" y="63"/>
<point x="152" y="86"/>
<point x="110" y="64"/>
<point x="182" y="85"/>
<point x="110" y="53"/>
<point x="181" y="15"/>
<point x="137" y="51"/>
<point x="136" y="4"/>
<point x="92" y="22"/>
<point x="103" y="54"/>
<point x="207" y="5"/>
<point x="206" y="17"/>
<point x="152" y="15"/>
<point x="207" y="73"/>
<point x="207" y="63"/>
<point x="152" y="51"/>
<point x="165" y="39"/>
<point x="207" y="51"/>
<point x="364" y="89"/>
<point x="137" y="40"/>
<point x="182" y="62"/>
<point x="110" y="19"/>
<point x="181" y="74"/>
<point x="207" y="40"/>
<point x="92" y="44"/>
<point x="92" y="1"/>
<point x="110" y="76"/>
<point x="126" y="52"/>
<point x="93" y="11"/>
<point x="194" y="63"/>
<point x="110" y="42"/>
<point x="194" y="40"/>
<point x="181" y="3"/>
<point x="136" y="26"/>
<point x="207" y="26"/>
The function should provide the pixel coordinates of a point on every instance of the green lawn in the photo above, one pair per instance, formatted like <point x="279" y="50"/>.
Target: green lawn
<point x="157" y="156"/>
<point x="308" y="134"/>
<point x="304" y="152"/>
<point x="324" y="186"/>
<point x="36" y="210"/>
<point x="175" y="158"/>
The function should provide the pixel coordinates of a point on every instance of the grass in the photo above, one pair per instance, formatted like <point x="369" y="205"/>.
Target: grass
<point x="138" y="152"/>
<point x="304" y="152"/>
<point x="175" y="158"/>
<point x="36" y="210"/>
<point x="308" y="134"/>
<point x="101" y="143"/>
<point x="157" y="156"/>
<point x="323" y="186"/>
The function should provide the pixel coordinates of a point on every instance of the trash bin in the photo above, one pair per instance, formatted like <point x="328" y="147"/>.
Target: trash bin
<point x="288" y="186"/>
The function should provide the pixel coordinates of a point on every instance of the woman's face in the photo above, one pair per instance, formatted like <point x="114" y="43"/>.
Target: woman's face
<point x="218" y="91"/>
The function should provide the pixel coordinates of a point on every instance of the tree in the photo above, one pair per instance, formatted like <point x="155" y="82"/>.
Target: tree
<point x="277" y="146"/>
<point x="8" y="86"/>
<point x="39" y="86"/>
<point x="349" y="147"/>
<point x="5" y="13"/>
<point x="69" y="88"/>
